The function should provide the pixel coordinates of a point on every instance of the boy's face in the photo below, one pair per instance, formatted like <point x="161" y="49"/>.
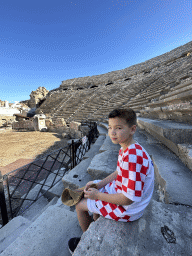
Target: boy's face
<point x="120" y="133"/>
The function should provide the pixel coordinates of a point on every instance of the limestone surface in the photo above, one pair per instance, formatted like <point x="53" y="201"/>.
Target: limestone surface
<point x="162" y="230"/>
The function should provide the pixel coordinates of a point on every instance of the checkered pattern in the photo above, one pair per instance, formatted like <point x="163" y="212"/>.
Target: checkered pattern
<point x="132" y="167"/>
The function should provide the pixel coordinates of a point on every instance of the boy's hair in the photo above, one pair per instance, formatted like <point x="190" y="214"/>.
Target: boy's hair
<point x="128" y="115"/>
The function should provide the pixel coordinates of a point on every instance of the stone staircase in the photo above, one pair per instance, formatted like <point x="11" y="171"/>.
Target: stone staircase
<point x="164" y="229"/>
<point x="47" y="225"/>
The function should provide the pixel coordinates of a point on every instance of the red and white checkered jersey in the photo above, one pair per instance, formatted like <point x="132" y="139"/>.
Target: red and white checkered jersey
<point x="135" y="180"/>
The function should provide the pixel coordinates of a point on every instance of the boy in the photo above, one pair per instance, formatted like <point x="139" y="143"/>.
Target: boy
<point x="125" y="193"/>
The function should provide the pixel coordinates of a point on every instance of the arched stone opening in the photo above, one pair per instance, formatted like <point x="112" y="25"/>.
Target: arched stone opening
<point x="93" y="86"/>
<point x="109" y="83"/>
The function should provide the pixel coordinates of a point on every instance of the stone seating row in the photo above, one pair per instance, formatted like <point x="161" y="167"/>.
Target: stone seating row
<point x="107" y="237"/>
<point x="65" y="102"/>
<point x="96" y="103"/>
<point x="83" y="108"/>
<point x="175" y="105"/>
<point x="98" y="110"/>
<point x="104" y="109"/>
<point x="72" y="105"/>
<point x="53" y="100"/>
<point x="72" y="101"/>
<point x="44" y="229"/>
<point x="49" y="233"/>
<point x="86" y="97"/>
<point x="142" y="100"/>
<point x="101" y="110"/>
<point x="173" y="64"/>
<point x="138" y="105"/>
<point x="176" y="136"/>
<point x="93" y="104"/>
<point x="149" y="94"/>
<point x="167" y="74"/>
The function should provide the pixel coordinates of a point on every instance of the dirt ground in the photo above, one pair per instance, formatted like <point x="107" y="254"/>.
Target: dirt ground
<point x="15" y="145"/>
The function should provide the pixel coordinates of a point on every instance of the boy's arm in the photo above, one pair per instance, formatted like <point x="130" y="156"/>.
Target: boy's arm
<point x="107" y="180"/>
<point x="118" y="198"/>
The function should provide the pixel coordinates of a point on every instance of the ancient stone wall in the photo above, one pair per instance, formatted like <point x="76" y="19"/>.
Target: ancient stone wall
<point x="24" y="125"/>
<point x="57" y="125"/>
<point x="6" y="120"/>
<point x="147" y="66"/>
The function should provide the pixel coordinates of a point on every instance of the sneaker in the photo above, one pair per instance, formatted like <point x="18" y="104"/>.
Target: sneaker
<point x="72" y="244"/>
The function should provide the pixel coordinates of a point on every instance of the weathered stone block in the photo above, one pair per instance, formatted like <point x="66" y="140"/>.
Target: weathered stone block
<point x="65" y="135"/>
<point x="48" y="122"/>
<point x="75" y="134"/>
<point x="60" y="122"/>
<point x="162" y="229"/>
<point x="25" y="124"/>
<point x="84" y="130"/>
<point x="75" y="125"/>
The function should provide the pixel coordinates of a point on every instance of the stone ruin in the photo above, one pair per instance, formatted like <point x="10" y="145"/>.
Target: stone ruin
<point x="160" y="91"/>
<point x="74" y="130"/>
<point x="35" y="123"/>
<point x="159" y="88"/>
<point x="7" y="111"/>
<point x="37" y="97"/>
<point x="39" y="122"/>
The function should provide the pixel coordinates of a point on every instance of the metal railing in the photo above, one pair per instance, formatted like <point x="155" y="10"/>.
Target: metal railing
<point x="21" y="188"/>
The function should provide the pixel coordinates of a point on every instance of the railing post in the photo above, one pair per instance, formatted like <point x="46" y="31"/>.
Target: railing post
<point x="73" y="154"/>
<point x="2" y="202"/>
<point x="89" y="140"/>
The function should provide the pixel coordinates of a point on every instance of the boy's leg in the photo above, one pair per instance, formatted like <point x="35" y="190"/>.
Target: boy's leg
<point x="82" y="214"/>
<point x="96" y="216"/>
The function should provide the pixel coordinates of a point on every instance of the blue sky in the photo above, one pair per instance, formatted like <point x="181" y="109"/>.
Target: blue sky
<point x="45" y="42"/>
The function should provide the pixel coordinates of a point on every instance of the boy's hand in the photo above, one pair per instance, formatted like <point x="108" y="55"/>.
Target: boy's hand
<point x="91" y="193"/>
<point x="87" y="186"/>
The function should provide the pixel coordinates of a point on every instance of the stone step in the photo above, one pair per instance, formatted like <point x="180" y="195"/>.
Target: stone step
<point x="52" y="202"/>
<point x="33" y="209"/>
<point x="172" y="176"/>
<point x="10" y="232"/>
<point x="102" y="130"/>
<point x="104" y="125"/>
<point x="78" y="176"/>
<point x="109" y="146"/>
<point x="52" y="179"/>
<point x="48" y="234"/>
<point x="176" y="132"/>
<point x="92" y="152"/>
<point x="162" y="230"/>
<point x="100" y="140"/>
<point x="103" y="164"/>
<point x="95" y="147"/>
<point x="57" y="189"/>
<point x="37" y="208"/>
<point x="172" y="134"/>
